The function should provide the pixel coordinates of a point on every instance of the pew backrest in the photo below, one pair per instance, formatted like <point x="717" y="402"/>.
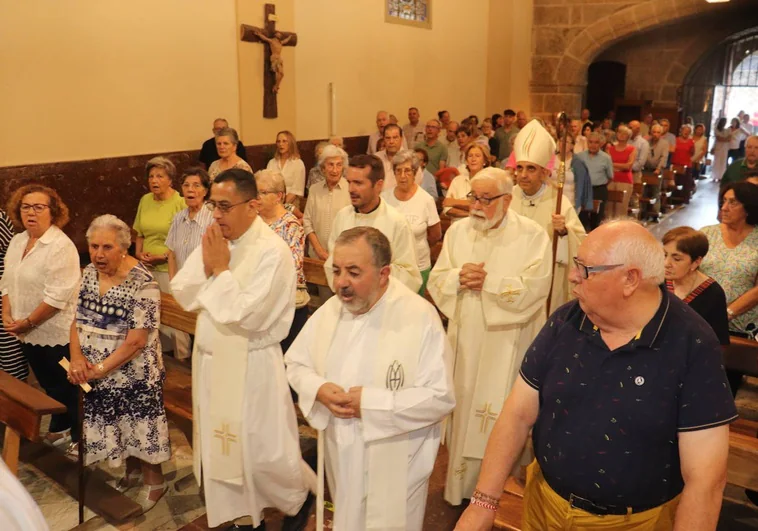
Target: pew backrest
<point x="22" y="406"/>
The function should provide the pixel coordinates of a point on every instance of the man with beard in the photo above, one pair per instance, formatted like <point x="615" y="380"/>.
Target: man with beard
<point x="365" y="179"/>
<point x="491" y="280"/>
<point x="372" y="369"/>
<point x="536" y="199"/>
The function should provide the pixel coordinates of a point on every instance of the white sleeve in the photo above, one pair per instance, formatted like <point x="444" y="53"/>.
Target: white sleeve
<point x="404" y="264"/>
<point x="190" y="280"/>
<point x="508" y="300"/>
<point x="255" y="307"/>
<point x="444" y="279"/>
<point x="432" y="217"/>
<point x="62" y="275"/>
<point x="298" y="182"/>
<point x="302" y="375"/>
<point x="386" y="413"/>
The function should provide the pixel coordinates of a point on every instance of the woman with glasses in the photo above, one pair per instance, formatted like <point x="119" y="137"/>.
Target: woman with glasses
<point x="39" y="298"/>
<point x="477" y="157"/>
<point x="419" y="209"/>
<point x="186" y="233"/>
<point x="733" y="259"/>
<point x="270" y="205"/>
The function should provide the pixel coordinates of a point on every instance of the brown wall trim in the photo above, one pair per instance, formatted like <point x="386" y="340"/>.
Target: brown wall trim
<point x="115" y="185"/>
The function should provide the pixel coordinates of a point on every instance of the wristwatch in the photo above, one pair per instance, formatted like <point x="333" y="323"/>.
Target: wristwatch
<point x="100" y="368"/>
<point x="730" y="313"/>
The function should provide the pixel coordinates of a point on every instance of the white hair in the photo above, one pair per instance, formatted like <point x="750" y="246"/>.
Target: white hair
<point x="274" y="177"/>
<point x="403" y="156"/>
<point x="111" y="222"/>
<point x="645" y="254"/>
<point x="501" y="177"/>
<point x="331" y="151"/>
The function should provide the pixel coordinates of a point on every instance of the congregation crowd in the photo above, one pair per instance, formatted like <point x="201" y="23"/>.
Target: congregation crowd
<point x="555" y="321"/>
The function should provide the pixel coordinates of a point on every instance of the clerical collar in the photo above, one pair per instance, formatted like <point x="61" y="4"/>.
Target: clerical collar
<point x="370" y="211"/>
<point x="532" y="200"/>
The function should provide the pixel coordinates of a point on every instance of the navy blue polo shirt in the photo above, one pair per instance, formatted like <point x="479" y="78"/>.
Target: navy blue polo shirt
<point x="608" y="421"/>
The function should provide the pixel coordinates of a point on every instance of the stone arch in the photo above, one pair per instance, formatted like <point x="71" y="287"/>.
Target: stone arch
<point x="560" y="84"/>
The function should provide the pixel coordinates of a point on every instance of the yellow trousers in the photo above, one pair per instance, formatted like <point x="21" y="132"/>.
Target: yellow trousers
<point x="545" y="510"/>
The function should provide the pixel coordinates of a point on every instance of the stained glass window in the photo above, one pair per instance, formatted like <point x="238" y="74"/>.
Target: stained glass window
<point x="409" y="12"/>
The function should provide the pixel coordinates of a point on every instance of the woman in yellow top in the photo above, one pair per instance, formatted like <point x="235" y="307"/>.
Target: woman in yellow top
<point x="155" y="213"/>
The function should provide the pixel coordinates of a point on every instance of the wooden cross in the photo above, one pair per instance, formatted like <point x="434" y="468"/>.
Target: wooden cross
<point x="274" y="41"/>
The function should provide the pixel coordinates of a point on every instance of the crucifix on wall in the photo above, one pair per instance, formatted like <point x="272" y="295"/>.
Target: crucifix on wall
<point x="273" y="66"/>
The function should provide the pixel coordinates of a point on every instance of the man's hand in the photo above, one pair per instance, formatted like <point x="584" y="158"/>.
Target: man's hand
<point x="475" y="519"/>
<point x="355" y="400"/>
<point x="216" y="255"/>
<point x="559" y="224"/>
<point x="336" y="400"/>
<point x="472" y="276"/>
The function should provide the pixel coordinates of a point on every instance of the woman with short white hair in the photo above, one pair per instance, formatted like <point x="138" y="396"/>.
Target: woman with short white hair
<point x="270" y="204"/>
<point x="115" y="346"/>
<point x="419" y="209"/>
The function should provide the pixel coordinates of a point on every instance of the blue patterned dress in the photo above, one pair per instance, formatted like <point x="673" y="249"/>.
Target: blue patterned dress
<point x="123" y="414"/>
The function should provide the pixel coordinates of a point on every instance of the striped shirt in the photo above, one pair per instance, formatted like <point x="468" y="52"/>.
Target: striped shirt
<point x="186" y="234"/>
<point x="12" y="359"/>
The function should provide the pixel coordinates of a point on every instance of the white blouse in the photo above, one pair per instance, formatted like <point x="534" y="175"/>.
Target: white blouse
<point x="48" y="273"/>
<point x="293" y="172"/>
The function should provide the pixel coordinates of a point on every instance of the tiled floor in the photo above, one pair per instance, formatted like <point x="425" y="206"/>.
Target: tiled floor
<point x="185" y="509"/>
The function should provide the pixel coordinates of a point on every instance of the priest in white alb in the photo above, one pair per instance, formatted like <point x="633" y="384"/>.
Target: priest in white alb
<point x="365" y="179"/>
<point x="536" y="198"/>
<point x="246" y="442"/>
<point x="372" y="370"/>
<point x="491" y="280"/>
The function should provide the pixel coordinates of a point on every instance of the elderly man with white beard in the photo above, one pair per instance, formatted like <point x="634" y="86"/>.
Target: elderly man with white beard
<point x="372" y="370"/>
<point x="491" y="280"/>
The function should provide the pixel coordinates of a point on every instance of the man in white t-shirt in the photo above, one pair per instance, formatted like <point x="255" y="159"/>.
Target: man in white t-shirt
<point x="419" y="209"/>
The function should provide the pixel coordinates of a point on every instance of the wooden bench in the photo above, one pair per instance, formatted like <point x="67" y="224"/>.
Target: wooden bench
<point x="742" y="355"/>
<point x="21" y="410"/>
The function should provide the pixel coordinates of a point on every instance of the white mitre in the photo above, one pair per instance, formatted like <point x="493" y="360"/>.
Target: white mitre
<point x="534" y="144"/>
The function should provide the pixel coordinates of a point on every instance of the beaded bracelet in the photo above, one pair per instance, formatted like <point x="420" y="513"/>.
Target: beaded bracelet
<point x="481" y="503"/>
<point x="479" y="495"/>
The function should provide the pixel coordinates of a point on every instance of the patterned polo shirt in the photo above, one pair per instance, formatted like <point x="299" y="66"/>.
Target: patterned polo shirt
<point x="608" y="424"/>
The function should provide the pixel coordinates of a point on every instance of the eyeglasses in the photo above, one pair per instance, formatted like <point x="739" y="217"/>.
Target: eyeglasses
<point x="484" y="201"/>
<point x="222" y="207"/>
<point x="267" y="192"/>
<point x="732" y="202"/>
<point x="404" y="171"/>
<point x="38" y="208"/>
<point x="585" y="271"/>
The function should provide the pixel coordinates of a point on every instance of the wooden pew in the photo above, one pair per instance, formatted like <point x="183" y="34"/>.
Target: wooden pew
<point x="742" y="355"/>
<point x="314" y="272"/>
<point x="21" y="410"/>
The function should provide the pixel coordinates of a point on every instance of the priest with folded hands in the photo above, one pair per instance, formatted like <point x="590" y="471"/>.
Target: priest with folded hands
<point x="242" y="281"/>
<point x="372" y="370"/>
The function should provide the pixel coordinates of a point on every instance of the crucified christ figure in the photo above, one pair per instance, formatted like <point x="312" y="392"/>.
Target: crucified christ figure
<point x="277" y="64"/>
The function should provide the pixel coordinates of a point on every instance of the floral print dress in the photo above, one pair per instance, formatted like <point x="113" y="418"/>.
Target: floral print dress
<point x="735" y="269"/>
<point x="123" y="414"/>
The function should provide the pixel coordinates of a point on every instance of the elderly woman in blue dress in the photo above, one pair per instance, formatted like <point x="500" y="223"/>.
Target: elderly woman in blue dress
<point x="115" y="347"/>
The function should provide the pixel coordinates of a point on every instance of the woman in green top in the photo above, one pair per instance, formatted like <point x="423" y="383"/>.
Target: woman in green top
<point x="155" y="213"/>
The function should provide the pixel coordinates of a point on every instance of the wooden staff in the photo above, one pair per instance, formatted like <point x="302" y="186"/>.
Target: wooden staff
<point x="564" y="121"/>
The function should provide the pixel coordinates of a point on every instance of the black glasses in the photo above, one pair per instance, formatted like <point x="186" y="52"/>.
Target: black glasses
<point x="585" y="271"/>
<point x="38" y="208"/>
<point x="484" y="201"/>
<point x="223" y="207"/>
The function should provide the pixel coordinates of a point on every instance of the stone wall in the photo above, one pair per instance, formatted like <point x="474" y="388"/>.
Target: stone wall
<point x="658" y="61"/>
<point x="569" y="34"/>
